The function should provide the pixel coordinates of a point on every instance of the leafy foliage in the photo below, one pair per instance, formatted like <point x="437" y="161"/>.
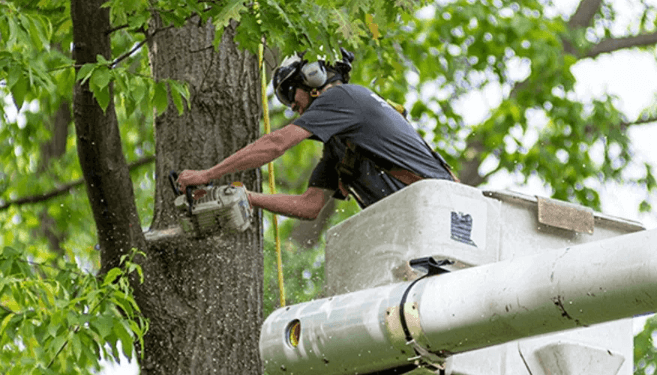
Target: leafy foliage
<point x="29" y="124"/>
<point x="303" y="268"/>
<point x="536" y="126"/>
<point x="61" y="320"/>
<point x="436" y="61"/>
<point x="645" y="359"/>
<point x="303" y="272"/>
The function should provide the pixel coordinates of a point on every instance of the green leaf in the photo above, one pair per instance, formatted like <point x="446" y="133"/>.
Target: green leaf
<point x="112" y="341"/>
<point x="19" y="91"/>
<point x="76" y="345"/>
<point x="85" y="72"/>
<point x="100" y="77"/>
<point x="102" y="59"/>
<point x="102" y="96"/>
<point x="103" y="325"/>
<point x="38" y="33"/>
<point x="53" y="328"/>
<point x="138" y="91"/>
<point x="138" y="20"/>
<point x="112" y="275"/>
<point x="160" y="98"/>
<point x="5" y="323"/>
<point x="230" y="11"/>
<point x="57" y="343"/>
<point x="178" y="92"/>
<point x="9" y="252"/>
<point x="126" y="339"/>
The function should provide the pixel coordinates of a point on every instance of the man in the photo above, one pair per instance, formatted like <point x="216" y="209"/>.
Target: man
<point x="370" y="150"/>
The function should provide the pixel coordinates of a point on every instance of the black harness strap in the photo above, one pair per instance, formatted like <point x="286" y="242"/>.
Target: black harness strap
<point x="347" y="168"/>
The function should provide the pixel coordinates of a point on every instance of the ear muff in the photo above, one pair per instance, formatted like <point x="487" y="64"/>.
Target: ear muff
<point x="314" y="74"/>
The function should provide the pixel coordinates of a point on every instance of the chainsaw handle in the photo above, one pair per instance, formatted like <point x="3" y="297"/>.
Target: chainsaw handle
<point x="190" y="198"/>
<point x="173" y="179"/>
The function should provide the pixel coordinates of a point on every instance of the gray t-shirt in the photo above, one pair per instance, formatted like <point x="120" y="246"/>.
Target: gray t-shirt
<point x="352" y="113"/>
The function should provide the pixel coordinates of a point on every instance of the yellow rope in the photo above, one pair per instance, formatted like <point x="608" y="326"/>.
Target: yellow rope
<point x="270" y="166"/>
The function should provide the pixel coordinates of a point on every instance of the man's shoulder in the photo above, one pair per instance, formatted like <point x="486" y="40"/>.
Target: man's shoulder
<point x="348" y="96"/>
<point x="349" y="88"/>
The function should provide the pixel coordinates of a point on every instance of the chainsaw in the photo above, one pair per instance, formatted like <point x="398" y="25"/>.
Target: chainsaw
<point x="207" y="209"/>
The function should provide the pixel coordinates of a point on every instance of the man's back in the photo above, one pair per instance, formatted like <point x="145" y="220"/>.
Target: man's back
<point x="347" y="115"/>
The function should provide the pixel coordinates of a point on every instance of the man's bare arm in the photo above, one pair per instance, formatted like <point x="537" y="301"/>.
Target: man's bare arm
<point x="305" y="206"/>
<point x="254" y="155"/>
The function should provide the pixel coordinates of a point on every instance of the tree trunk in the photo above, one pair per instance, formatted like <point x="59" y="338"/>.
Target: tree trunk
<point x="104" y="167"/>
<point x="202" y="297"/>
<point x="218" y="280"/>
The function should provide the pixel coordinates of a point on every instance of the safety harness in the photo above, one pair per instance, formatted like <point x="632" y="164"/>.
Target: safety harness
<point x="354" y="155"/>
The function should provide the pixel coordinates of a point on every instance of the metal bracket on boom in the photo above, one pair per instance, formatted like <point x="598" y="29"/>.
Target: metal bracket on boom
<point x="416" y="349"/>
<point x="424" y="357"/>
<point x="403" y="321"/>
<point x="430" y="266"/>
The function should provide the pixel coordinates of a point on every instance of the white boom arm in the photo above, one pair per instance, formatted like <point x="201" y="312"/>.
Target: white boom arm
<point x="362" y="332"/>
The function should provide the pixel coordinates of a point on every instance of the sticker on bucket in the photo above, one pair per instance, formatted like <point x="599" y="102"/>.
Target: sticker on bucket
<point x="461" y="228"/>
<point x="468" y="221"/>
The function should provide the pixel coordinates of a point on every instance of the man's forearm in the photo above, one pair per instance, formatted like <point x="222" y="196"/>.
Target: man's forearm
<point x="286" y="205"/>
<point x="252" y="156"/>
<point x="255" y="155"/>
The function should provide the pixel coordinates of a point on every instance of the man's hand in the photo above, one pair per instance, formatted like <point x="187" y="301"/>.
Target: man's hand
<point x="192" y="178"/>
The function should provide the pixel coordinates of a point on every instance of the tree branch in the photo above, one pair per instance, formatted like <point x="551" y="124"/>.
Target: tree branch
<point x="117" y="28"/>
<point x="615" y="44"/>
<point x="643" y="120"/>
<point x="582" y="18"/>
<point x="65" y="188"/>
<point x="127" y="54"/>
<point x="584" y="14"/>
<point x="137" y="47"/>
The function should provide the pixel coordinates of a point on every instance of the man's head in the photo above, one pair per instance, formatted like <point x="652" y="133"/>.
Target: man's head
<point x="296" y="73"/>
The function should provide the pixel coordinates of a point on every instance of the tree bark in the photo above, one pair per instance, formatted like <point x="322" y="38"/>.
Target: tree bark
<point x="104" y="166"/>
<point x="203" y="297"/>
<point x="213" y="325"/>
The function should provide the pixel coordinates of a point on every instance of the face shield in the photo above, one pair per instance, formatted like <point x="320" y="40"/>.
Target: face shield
<point x="284" y="79"/>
